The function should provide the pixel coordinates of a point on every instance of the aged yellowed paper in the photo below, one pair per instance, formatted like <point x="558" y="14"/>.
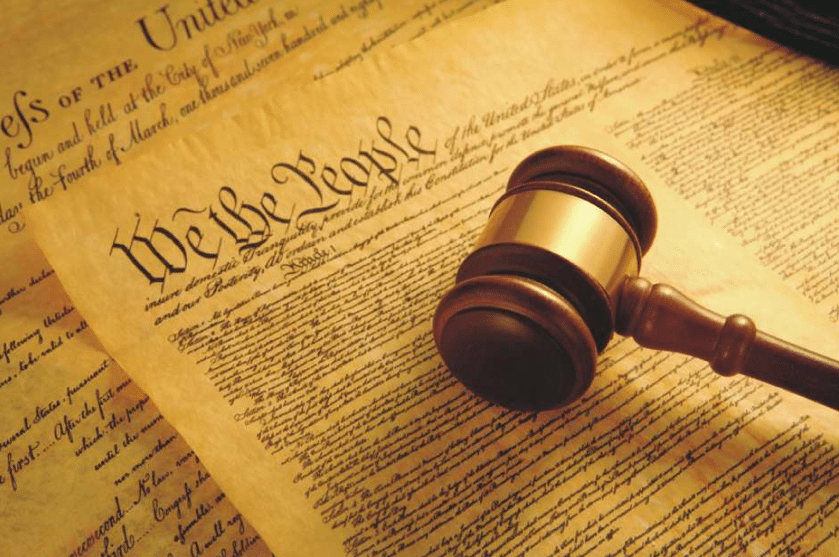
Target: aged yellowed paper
<point x="274" y="295"/>
<point x="89" y="84"/>
<point x="88" y="466"/>
<point x="753" y="145"/>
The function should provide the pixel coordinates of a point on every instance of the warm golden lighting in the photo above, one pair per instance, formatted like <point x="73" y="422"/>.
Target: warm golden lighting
<point x="569" y="226"/>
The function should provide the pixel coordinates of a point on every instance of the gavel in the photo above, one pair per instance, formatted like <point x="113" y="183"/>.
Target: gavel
<point x="554" y="275"/>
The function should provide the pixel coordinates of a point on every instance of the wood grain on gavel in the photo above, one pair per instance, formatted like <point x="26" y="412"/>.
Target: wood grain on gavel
<point x="555" y="273"/>
<point x="659" y="316"/>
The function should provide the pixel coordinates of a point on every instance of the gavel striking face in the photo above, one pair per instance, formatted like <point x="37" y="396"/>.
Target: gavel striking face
<point x="554" y="275"/>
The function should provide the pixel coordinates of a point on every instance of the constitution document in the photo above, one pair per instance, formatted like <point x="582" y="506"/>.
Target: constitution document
<point x="88" y="466"/>
<point x="270" y="281"/>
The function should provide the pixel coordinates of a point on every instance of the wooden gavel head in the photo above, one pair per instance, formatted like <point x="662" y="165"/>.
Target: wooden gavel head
<point x="534" y="302"/>
<point x="554" y="275"/>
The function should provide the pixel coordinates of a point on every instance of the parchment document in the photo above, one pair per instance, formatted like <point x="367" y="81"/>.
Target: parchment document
<point x="753" y="143"/>
<point x="270" y="283"/>
<point x="89" y="84"/>
<point x="88" y="466"/>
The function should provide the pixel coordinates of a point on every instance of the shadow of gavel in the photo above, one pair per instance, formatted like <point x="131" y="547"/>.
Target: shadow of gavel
<point x="555" y="273"/>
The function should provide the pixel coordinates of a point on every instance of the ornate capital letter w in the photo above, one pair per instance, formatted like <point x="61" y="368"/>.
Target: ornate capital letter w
<point x="157" y="256"/>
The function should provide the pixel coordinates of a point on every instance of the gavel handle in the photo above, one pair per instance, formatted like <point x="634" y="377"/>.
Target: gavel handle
<point x="659" y="316"/>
